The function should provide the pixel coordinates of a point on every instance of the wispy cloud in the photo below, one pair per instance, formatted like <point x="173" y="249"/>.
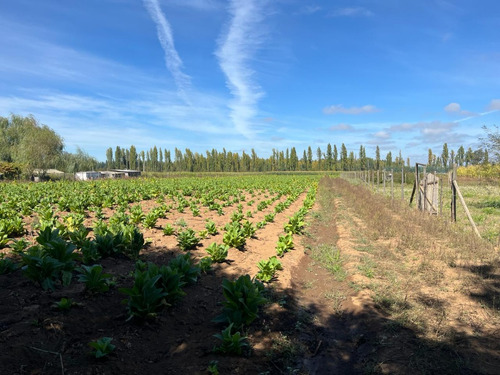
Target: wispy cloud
<point x="172" y="59"/>
<point x="235" y="51"/>
<point x="341" y="127"/>
<point x="339" y="108"/>
<point x="351" y="12"/>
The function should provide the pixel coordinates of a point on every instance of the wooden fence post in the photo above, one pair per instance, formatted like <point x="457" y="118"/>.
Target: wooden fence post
<point x="402" y="183"/>
<point x="392" y="184"/>
<point x="453" y="195"/>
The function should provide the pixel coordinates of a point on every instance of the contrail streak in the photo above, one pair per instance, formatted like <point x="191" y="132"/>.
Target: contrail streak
<point x="235" y="50"/>
<point x="172" y="59"/>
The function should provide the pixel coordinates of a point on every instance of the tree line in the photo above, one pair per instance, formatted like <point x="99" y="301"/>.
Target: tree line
<point x="157" y="159"/>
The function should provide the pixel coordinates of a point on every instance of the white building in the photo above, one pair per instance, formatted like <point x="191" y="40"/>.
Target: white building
<point x="88" y="175"/>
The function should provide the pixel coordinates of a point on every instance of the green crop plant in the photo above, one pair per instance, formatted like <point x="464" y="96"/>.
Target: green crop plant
<point x="205" y="264"/>
<point x="89" y="252"/>
<point x="249" y="214"/>
<point x="95" y="280"/>
<point x="211" y="228"/>
<point x="267" y="269"/>
<point x="18" y="246"/>
<point x="269" y="218"/>
<point x="295" y="224"/>
<point x="145" y="297"/>
<point x="195" y="211"/>
<point x="42" y="269"/>
<point x="242" y="300"/>
<point x="248" y="229"/>
<point x="234" y="236"/>
<point x="64" y="304"/>
<point x="79" y="236"/>
<point x="236" y="216"/>
<point x="184" y="264"/>
<point x="102" y="347"/>
<point x="171" y="281"/>
<point x="202" y="234"/>
<point x="218" y="253"/>
<point x="187" y="239"/>
<point x="150" y="220"/>
<point x="232" y="343"/>
<point x="285" y="243"/>
<point x="168" y="230"/>
<point x="136" y="214"/>
<point x="6" y="265"/>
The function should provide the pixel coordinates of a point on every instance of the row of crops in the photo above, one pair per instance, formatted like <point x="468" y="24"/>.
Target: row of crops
<point x="57" y="233"/>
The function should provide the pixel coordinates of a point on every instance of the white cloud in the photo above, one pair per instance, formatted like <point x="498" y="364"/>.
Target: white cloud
<point x="236" y="49"/>
<point x="351" y="12"/>
<point x="456" y="109"/>
<point x="382" y="134"/>
<point x="172" y="59"/>
<point x="201" y="5"/>
<point x="494" y="105"/>
<point x="333" y="109"/>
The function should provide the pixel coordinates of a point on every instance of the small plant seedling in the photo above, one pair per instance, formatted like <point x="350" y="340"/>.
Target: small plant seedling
<point x="64" y="304"/>
<point x="205" y="264"/>
<point x="168" y="230"/>
<point x="213" y="368"/>
<point x="102" y="347"/>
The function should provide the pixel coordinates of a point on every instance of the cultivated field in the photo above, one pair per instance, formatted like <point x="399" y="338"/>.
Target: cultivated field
<point x="358" y="285"/>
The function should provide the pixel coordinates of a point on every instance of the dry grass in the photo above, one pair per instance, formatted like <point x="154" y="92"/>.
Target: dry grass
<point x="425" y="274"/>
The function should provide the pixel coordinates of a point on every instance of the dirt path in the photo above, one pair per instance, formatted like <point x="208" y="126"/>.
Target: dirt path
<point x="382" y="304"/>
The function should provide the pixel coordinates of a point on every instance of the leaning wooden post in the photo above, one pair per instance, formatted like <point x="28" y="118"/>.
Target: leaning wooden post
<point x="457" y="190"/>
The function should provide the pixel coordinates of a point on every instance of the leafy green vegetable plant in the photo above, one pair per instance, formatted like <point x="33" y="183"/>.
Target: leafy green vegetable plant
<point x="232" y="343"/>
<point x="267" y="269"/>
<point x="187" y="239"/>
<point x="242" y="300"/>
<point x="95" y="280"/>
<point x="102" y="347"/>
<point x="168" y="230"/>
<point x="285" y="243"/>
<point x="218" y="253"/>
<point x="64" y="304"/>
<point x="211" y="228"/>
<point x="234" y="236"/>
<point x="6" y="265"/>
<point x="145" y="297"/>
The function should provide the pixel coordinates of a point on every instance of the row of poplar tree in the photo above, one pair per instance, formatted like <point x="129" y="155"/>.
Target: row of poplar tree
<point x="157" y="159"/>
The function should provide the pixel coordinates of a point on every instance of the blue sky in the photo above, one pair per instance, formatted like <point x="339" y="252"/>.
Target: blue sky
<point x="242" y="74"/>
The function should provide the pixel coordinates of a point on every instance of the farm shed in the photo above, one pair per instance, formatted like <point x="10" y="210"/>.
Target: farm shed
<point x="88" y="175"/>
<point x="112" y="174"/>
<point x="128" y="172"/>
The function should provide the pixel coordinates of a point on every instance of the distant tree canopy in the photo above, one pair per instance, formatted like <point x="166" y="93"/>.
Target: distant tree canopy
<point x="27" y="145"/>
<point x="492" y="142"/>
<point x="25" y="142"/>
